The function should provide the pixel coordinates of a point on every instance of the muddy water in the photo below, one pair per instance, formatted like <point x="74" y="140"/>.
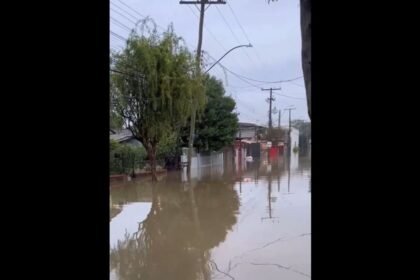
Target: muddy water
<point x="249" y="223"/>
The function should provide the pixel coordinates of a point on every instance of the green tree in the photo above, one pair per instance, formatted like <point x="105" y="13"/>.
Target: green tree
<point x="168" y="146"/>
<point x="124" y="158"/>
<point x="217" y="126"/>
<point x="152" y="85"/>
<point x="115" y="121"/>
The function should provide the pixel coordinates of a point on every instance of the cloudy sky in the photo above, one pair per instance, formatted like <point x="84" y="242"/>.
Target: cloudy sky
<point x="273" y="30"/>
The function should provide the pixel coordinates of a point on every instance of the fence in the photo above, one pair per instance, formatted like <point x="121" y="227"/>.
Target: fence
<point x="125" y="163"/>
<point x="207" y="164"/>
<point x="129" y="164"/>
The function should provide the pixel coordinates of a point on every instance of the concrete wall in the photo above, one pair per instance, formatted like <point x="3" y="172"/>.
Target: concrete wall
<point x="294" y="135"/>
<point x="202" y="165"/>
<point x="247" y="133"/>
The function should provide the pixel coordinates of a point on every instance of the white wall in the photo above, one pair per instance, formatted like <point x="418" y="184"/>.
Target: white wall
<point x="207" y="164"/>
<point x="247" y="133"/>
<point x="294" y="135"/>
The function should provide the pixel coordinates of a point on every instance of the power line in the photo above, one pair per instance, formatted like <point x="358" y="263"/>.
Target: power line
<point x="131" y="8"/>
<point x="245" y="87"/>
<point x="137" y="76"/>
<point x="300" y="98"/>
<point x="125" y="11"/>
<point x="256" y="86"/>
<point x="271" y="82"/>
<point x="121" y="24"/>
<point x="259" y="81"/>
<point x="126" y="27"/>
<point x="213" y="36"/>
<point x="241" y="77"/>
<point x="208" y="30"/>
<point x="243" y="30"/>
<point x="141" y="15"/>
<point x="228" y="25"/>
<point x="237" y="21"/>
<point x="297" y="85"/>
<point x="115" y="49"/>
<point x="124" y="16"/>
<point x="124" y="73"/>
<point x="233" y="73"/>
<point x="118" y="36"/>
<point x="233" y="33"/>
<point x="225" y="68"/>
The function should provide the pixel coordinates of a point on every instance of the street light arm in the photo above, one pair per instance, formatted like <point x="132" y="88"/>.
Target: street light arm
<point x="240" y="46"/>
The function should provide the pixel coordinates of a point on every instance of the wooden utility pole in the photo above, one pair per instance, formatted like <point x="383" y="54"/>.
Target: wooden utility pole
<point x="269" y="198"/>
<point x="198" y="71"/>
<point x="270" y="99"/>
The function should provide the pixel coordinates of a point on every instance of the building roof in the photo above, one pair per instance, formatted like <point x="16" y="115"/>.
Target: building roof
<point x="244" y="124"/>
<point x="121" y="135"/>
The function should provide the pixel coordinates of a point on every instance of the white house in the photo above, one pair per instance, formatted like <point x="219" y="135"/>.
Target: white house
<point x="248" y="131"/>
<point x="294" y="137"/>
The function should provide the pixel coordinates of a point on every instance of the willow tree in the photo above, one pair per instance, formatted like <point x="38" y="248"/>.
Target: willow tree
<point x="152" y="85"/>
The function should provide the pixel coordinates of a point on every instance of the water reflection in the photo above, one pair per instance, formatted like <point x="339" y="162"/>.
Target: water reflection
<point x="225" y="224"/>
<point x="174" y="240"/>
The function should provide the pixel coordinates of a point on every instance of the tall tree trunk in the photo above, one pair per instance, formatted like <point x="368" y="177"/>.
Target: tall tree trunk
<point x="305" y="23"/>
<point x="151" y="150"/>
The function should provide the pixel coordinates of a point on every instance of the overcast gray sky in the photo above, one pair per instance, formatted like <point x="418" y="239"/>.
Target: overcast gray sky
<point x="273" y="30"/>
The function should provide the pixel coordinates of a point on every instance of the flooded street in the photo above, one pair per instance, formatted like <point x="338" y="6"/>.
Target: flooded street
<point x="252" y="222"/>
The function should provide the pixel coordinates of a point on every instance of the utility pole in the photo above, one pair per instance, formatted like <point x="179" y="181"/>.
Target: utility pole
<point x="290" y="129"/>
<point x="240" y="151"/>
<point x="269" y="198"/>
<point x="279" y="117"/>
<point x="288" y="175"/>
<point x="270" y="123"/>
<point x="198" y="70"/>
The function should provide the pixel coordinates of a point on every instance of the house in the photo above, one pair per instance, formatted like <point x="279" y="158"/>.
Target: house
<point x="294" y="137"/>
<point x="247" y="138"/>
<point x="124" y="136"/>
<point x="249" y="131"/>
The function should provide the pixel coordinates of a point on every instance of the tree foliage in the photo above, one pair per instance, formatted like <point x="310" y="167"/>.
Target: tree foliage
<point x="115" y="121"/>
<point x="217" y="126"/>
<point x="153" y="84"/>
<point x="124" y="159"/>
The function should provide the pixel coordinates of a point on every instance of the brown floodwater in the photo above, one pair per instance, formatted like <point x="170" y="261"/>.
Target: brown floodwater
<point x="247" y="223"/>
